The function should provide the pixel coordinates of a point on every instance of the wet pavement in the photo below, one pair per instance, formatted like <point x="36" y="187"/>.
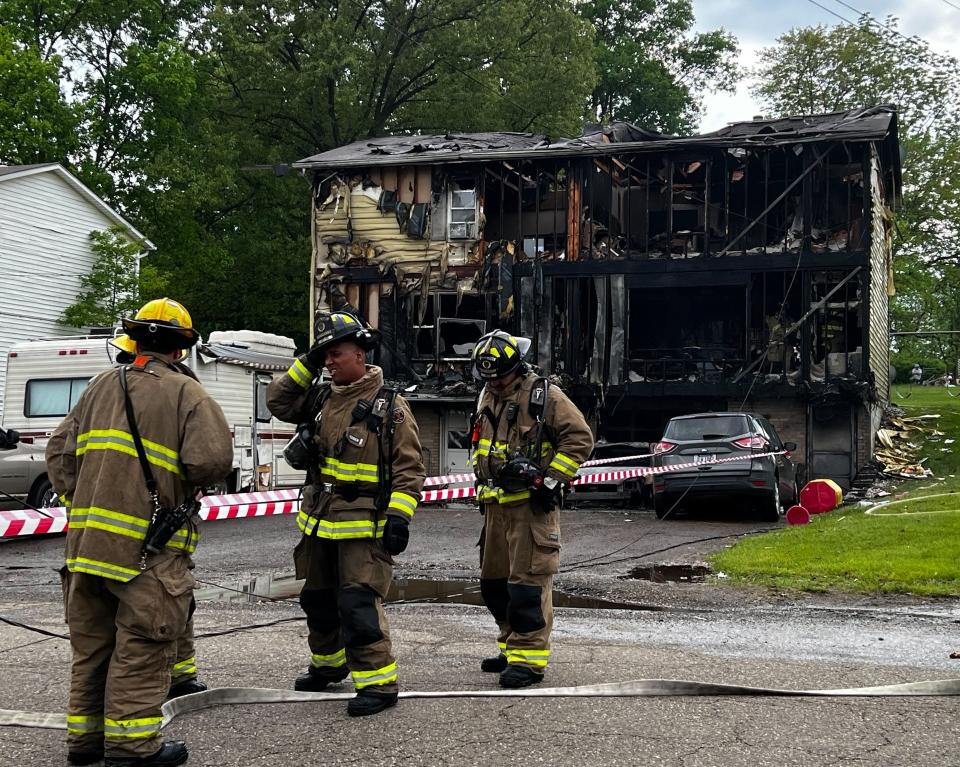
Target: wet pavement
<point x="673" y="621"/>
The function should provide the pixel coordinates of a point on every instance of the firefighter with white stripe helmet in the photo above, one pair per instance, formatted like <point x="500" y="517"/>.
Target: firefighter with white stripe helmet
<point x="128" y="592"/>
<point x="359" y="444"/>
<point x="528" y="441"/>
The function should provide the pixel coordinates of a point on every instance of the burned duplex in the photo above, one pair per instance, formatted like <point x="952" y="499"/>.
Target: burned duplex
<point x="657" y="275"/>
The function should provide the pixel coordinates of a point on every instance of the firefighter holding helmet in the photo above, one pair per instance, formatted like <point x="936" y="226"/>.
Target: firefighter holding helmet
<point x="126" y="461"/>
<point x="360" y="446"/>
<point x="528" y="442"/>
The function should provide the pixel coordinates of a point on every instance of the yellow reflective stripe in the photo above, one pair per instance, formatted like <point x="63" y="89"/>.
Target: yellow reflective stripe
<point x="498" y="495"/>
<point x="378" y="676"/>
<point x="122" y="442"/>
<point x="184" y="667"/>
<point x="131" y="729"/>
<point x="306" y="523"/>
<point x="104" y="569"/>
<point x="345" y="530"/>
<point x="556" y="466"/>
<point x="350" y="472"/>
<point x="334" y="660"/>
<point x="566" y="461"/>
<point x="405" y="504"/>
<point x="65" y="501"/>
<point x="109" y="521"/>
<point x="185" y="539"/>
<point x="81" y="725"/>
<point x="502" y="645"/>
<point x="530" y="657"/>
<point x="300" y="374"/>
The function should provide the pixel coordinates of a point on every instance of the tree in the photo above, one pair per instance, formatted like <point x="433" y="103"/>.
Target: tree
<point x="36" y="123"/>
<point x="826" y="69"/>
<point x="652" y="68"/>
<point x="110" y="291"/>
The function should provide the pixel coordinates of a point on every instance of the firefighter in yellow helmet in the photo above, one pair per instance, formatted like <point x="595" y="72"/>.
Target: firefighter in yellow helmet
<point x="360" y="446"/>
<point x="126" y="461"/>
<point x="528" y="442"/>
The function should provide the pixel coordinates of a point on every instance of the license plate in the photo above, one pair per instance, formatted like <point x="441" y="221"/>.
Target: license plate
<point x="704" y="458"/>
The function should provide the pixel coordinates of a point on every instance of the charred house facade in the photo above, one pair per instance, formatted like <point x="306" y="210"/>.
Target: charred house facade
<point x="748" y="268"/>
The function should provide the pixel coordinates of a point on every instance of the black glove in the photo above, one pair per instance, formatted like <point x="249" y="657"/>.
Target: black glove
<point x="316" y="358"/>
<point x="520" y="474"/>
<point x="396" y="535"/>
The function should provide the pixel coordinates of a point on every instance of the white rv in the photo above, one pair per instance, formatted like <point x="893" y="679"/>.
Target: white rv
<point x="45" y="378"/>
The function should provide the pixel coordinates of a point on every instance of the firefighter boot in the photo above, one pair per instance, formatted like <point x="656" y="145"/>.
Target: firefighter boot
<point x="495" y="665"/>
<point x="519" y="676"/>
<point x="367" y="702"/>
<point x="84" y="758"/>
<point x="171" y="754"/>
<point x="188" y="687"/>
<point x="313" y="680"/>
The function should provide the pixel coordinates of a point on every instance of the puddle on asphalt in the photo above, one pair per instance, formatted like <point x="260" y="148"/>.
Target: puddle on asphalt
<point x="669" y="573"/>
<point x="403" y="590"/>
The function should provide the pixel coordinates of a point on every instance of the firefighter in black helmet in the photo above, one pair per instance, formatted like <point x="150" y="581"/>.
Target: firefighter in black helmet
<point x="528" y="442"/>
<point x="359" y="443"/>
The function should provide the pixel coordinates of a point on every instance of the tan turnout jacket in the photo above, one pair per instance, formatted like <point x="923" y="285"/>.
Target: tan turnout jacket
<point x="92" y="463"/>
<point x="341" y="502"/>
<point x="567" y="439"/>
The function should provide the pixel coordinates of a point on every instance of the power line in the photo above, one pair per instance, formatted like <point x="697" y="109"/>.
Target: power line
<point x="952" y="5"/>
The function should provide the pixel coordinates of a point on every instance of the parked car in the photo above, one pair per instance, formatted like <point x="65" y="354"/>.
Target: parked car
<point x="632" y="493"/>
<point x="767" y="484"/>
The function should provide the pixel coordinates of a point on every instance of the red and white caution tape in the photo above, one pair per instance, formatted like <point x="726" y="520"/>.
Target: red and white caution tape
<point x="22" y="522"/>
<point x="455" y="479"/>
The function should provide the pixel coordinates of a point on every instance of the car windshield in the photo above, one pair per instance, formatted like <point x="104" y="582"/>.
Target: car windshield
<point x="707" y="427"/>
<point x="618" y="450"/>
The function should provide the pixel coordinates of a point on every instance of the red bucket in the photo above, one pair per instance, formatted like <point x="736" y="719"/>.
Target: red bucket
<point x="797" y="515"/>
<point x="820" y="495"/>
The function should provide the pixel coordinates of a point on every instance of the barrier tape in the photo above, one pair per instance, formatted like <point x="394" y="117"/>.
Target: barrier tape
<point x="229" y="696"/>
<point x="452" y="479"/>
<point x="23" y="522"/>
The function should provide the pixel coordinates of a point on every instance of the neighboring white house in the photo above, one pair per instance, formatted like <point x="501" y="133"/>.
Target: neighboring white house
<point x="46" y="217"/>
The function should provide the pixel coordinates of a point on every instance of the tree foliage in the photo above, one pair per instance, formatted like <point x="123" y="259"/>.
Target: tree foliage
<point x="110" y="291"/>
<point x="36" y="123"/>
<point x="825" y="69"/>
<point x="653" y="70"/>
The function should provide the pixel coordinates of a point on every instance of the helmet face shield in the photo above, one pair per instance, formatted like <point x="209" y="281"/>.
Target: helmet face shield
<point x="498" y="354"/>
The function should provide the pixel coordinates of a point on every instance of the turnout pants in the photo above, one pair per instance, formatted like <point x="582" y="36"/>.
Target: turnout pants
<point x="519" y="555"/>
<point x="123" y="637"/>
<point x="185" y="658"/>
<point x="346" y="583"/>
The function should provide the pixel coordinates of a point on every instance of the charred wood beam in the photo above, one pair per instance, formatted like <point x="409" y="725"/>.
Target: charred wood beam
<point x="809" y="169"/>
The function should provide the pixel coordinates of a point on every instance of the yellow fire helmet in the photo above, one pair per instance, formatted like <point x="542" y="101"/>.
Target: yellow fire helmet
<point x="162" y="318"/>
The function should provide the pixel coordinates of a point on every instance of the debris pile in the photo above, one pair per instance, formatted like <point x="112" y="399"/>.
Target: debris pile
<point x="900" y="443"/>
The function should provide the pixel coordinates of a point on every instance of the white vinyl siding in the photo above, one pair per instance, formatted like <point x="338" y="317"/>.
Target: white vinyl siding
<point x="44" y="250"/>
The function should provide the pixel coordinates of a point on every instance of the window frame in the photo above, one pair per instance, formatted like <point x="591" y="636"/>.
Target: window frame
<point x="71" y="402"/>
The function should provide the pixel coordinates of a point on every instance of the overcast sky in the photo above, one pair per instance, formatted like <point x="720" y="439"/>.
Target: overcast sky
<point x="757" y="24"/>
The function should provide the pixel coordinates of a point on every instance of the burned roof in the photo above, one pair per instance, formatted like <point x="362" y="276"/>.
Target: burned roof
<point x="869" y="124"/>
<point x="241" y="355"/>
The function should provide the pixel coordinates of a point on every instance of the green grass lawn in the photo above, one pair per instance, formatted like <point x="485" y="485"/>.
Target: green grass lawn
<point x="911" y="545"/>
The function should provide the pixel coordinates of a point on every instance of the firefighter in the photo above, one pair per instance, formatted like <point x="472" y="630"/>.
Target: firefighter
<point x="528" y="442"/>
<point x="360" y="446"/>
<point x="183" y="673"/>
<point x="125" y="605"/>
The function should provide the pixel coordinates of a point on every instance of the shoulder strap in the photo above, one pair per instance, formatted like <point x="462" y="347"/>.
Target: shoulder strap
<point x="135" y="433"/>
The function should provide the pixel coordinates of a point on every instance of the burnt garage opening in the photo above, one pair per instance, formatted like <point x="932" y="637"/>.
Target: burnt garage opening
<point x="688" y="334"/>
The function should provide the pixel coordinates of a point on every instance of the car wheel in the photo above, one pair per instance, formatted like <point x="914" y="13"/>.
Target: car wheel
<point x="770" y="511"/>
<point x="43" y="496"/>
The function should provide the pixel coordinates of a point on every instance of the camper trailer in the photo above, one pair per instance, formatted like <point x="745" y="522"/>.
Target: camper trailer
<point x="45" y="378"/>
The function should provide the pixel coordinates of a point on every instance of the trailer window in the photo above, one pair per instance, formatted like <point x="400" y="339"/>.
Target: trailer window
<point x="53" y="396"/>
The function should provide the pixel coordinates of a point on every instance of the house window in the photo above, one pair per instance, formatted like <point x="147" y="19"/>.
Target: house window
<point x="53" y="397"/>
<point x="462" y="218"/>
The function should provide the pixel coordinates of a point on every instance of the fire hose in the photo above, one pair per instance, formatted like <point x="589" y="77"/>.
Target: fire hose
<point x="638" y="688"/>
